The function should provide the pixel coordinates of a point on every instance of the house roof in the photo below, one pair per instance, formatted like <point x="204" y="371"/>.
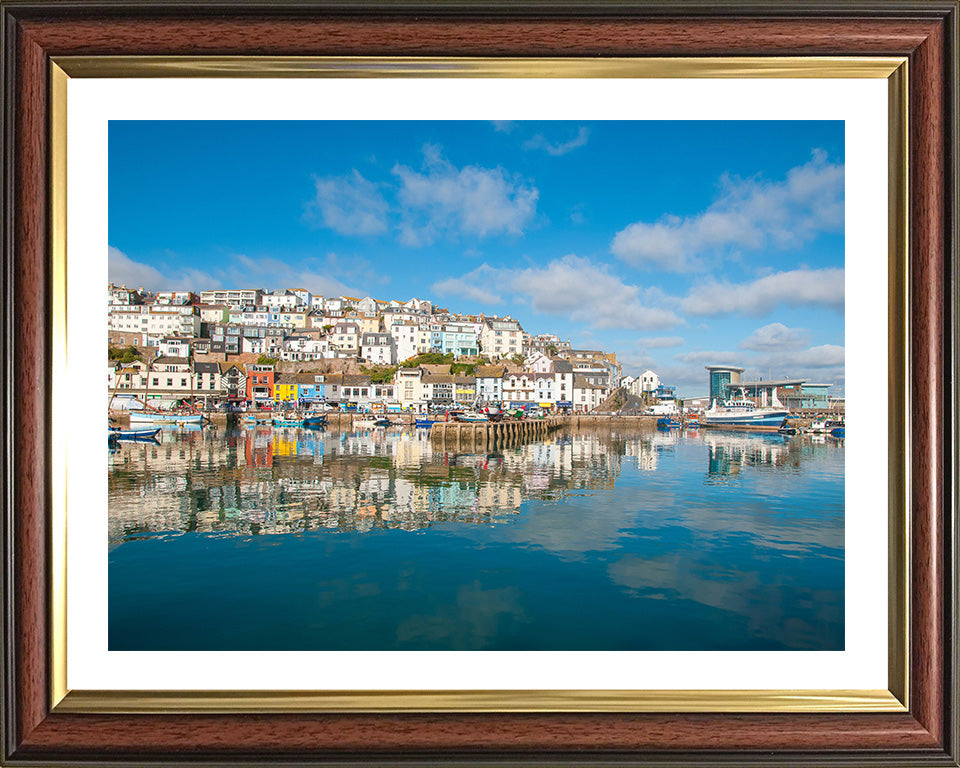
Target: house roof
<point x="580" y="382"/>
<point x="490" y="371"/>
<point x="206" y="367"/>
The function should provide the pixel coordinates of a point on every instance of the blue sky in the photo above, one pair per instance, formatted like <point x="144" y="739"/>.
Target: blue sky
<point x="674" y="244"/>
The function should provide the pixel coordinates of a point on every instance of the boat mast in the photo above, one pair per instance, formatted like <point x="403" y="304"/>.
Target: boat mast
<point x="192" y="367"/>
<point x="146" y="387"/>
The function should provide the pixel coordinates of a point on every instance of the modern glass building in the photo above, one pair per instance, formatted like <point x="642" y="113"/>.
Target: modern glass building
<point x="721" y="376"/>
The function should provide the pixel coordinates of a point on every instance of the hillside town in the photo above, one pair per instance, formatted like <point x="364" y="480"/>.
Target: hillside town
<point x="249" y="347"/>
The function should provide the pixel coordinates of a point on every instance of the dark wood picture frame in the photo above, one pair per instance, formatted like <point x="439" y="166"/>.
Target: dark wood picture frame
<point x="925" y="32"/>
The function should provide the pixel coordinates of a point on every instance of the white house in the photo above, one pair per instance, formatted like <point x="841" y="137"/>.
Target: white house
<point x="649" y="381"/>
<point x="377" y="348"/>
<point x="345" y="337"/>
<point x="174" y="346"/>
<point x="405" y="335"/>
<point x="538" y="362"/>
<point x="519" y="389"/>
<point x="587" y="396"/>
<point x="407" y="389"/>
<point x="489" y="383"/>
<point x="501" y="337"/>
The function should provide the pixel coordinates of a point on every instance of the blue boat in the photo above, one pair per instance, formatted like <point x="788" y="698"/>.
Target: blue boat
<point x="743" y="414"/>
<point x="318" y="420"/>
<point x="667" y="422"/>
<point x="838" y="432"/>
<point x="424" y="422"/>
<point x="133" y="435"/>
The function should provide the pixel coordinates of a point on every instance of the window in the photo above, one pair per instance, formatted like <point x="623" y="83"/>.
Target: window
<point x="156" y="382"/>
<point x="169" y="382"/>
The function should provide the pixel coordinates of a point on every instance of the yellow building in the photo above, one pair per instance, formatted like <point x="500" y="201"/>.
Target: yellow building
<point x="284" y="389"/>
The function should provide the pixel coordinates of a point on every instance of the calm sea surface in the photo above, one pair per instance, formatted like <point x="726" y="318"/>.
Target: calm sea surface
<point x="288" y="539"/>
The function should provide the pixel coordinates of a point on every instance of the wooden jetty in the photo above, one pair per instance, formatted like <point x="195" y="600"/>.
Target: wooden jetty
<point x="494" y="432"/>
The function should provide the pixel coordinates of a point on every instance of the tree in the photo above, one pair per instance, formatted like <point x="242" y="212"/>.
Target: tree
<point x="517" y="359"/>
<point x="552" y="350"/>
<point x="264" y="360"/>
<point x="124" y="355"/>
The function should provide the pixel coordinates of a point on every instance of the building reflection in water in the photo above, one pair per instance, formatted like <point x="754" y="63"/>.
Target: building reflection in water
<point x="261" y="480"/>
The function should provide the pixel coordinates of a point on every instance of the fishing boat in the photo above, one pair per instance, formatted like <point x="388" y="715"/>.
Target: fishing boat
<point x="424" y="422"/>
<point x="472" y="418"/>
<point x="158" y="417"/>
<point x="299" y="420"/>
<point x="836" y="428"/>
<point x="668" y="422"/>
<point x="132" y="435"/>
<point x="378" y="421"/>
<point x="744" y="414"/>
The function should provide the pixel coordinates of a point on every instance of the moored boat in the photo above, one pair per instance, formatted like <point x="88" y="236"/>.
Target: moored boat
<point x="371" y="423"/>
<point x="300" y="420"/>
<point x="472" y="418"/>
<point x="836" y="428"/>
<point x="668" y="422"/>
<point x="424" y="422"/>
<point x="133" y="435"/>
<point x="744" y="414"/>
<point x="162" y="417"/>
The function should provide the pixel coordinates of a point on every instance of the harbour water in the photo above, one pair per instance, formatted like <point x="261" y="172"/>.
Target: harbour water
<point x="298" y="539"/>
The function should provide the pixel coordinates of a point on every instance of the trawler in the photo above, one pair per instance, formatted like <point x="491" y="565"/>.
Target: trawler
<point x="743" y="413"/>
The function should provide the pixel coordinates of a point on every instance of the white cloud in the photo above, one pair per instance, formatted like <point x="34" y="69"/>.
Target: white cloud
<point x="797" y="362"/>
<point x="122" y="270"/>
<point x="503" y="126"/>
<point x="799" y="287"/>
<point x="709" y="357"/>
<point x="588" y="292"/>
<point x="446" y="200"/>
<point x="775" y="336"/>
<point x="474" y="285"/>
<point x="558" y="148"/>
<point x="350" y="205"/>
<point x="661" y="342"/>
<point x="274" y="273"/>
<point x="749" y="214"/>
<point x="571" y="287"/>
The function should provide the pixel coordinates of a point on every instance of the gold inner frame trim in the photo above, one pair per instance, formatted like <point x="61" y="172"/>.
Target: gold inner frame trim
<point x="432" y="66"/>
<point x="236" y="702"/>
<point x="893" y="69"/>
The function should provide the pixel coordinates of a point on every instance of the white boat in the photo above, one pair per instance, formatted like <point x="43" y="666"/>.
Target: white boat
<point x="380" y="421"/>
<point x="744" y="414"/>
<point x="156" y="417"/>
<point x="472" y="417"/>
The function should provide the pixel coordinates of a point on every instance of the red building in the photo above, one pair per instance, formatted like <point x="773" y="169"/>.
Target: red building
<point x="260" y="383"/>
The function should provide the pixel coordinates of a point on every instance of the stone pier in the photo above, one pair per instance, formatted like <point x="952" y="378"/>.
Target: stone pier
<point x="488" y="433"/>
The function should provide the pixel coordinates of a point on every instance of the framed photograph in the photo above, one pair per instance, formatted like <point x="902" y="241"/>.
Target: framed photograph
<point x="478" y="383"/>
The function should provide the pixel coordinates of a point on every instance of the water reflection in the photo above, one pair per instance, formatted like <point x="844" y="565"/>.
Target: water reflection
<point x="669" y="540"/>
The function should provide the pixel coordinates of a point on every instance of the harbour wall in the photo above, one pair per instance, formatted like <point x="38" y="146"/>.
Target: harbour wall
<point x="494" y="432"/>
